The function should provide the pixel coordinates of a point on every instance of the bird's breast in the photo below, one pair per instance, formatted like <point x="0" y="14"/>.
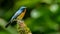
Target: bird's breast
<point x="21" y="15"/>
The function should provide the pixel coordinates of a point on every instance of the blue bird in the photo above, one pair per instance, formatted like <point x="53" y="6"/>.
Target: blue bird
<point x="18" y="15"/>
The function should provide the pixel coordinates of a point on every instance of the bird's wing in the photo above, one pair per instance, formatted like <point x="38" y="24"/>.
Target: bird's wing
<point x="15" y="16"/>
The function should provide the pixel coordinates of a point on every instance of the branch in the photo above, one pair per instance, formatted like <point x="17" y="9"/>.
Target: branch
<point x="22" y="28"/>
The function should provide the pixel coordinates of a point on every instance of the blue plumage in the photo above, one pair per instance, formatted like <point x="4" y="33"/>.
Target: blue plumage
<point x="16" y="15"/>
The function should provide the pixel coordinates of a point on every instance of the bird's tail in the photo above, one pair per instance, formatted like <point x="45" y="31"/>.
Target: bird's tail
<point x="8" y="24"/>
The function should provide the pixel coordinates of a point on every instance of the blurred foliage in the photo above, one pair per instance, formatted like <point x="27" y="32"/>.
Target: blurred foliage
<point x="42" y="16"/>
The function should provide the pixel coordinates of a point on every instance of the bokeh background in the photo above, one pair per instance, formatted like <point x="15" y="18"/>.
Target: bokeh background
<point x="42" y="16"/>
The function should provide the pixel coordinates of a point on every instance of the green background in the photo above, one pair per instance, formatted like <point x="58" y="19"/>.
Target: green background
<point x="42" y="16"/>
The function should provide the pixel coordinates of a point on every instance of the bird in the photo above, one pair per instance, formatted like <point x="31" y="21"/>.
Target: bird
<point x="17" y="16"/>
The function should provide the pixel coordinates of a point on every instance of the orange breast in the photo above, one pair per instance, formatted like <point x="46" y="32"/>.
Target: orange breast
<point x="21" y="15"/>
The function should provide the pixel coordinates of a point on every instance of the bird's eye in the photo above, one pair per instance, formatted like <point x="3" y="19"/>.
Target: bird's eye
<point x="22" y="8"/>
